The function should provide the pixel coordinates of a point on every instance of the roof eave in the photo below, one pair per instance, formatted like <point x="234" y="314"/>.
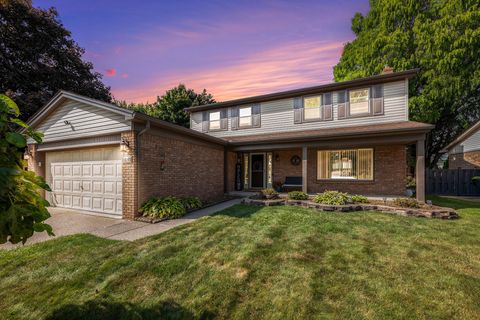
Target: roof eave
<point x="382" y="78"/>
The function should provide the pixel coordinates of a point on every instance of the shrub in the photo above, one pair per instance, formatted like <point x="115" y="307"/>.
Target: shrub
<point x="190" y="203"/>
<point x="406" y="202"/>
<point x="332" y="197"/>
<point x="476" y="180"/>
<point x="269" y="192"/>
<point x="410" y="182"/>
<point x="164" y="207"/>
<point x="297" y="195"/>
<point x="358" y="199"/>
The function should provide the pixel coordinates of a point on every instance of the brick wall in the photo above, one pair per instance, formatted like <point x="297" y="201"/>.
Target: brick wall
<point x="467" y="160"/>
<point x="36" y="163"/>
<point x="170" y="165"/>
<point x="283" y="167"/>
<point x="389" y="174"/>
<point x="231" y="169"/>
<point x="129" y="177"/>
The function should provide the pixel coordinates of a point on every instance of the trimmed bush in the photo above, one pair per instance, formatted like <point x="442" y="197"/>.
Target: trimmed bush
<point x="191" y="203"/>
<point x="297" y="195"/>
<point x="164" y="207"/>
<point x="332" y="197"/>
<point x="359" y="199"/>
<point x="406" y="202"/>
<point x="269" y="193"/>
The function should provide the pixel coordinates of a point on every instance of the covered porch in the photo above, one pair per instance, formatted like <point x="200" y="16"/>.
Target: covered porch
<point x="363" y="161"/>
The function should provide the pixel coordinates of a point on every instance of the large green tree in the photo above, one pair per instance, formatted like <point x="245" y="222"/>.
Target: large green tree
<point x="38" y="57"/>
<point x="170" y="106"/>
<point x="442" y="39"/>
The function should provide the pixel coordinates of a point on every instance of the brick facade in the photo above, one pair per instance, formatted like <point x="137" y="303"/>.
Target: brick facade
<point x="282" y="166"/>
<point x="174" y="165"/>
<point x="130" y="176"/>
<point x="389" y="170"/>
<point x="231" y="162"/>
<point x="467" y="160"/>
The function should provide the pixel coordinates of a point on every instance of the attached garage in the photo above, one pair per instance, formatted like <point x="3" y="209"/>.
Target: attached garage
<point x="100" y="158"/>
<point x="86" y="179"/>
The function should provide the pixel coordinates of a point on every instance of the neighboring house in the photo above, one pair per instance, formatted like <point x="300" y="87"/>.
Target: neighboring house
<point x="349" y="136"/>
<point x="464" y="151"/>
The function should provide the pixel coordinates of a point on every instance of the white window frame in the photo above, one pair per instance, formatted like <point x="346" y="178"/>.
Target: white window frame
<point x="249" y="117"/>
<point x="363" y="113"/>
<point x="210" y="121"/>
<point x="318" y="108"/>
<point x="351" y="178"/>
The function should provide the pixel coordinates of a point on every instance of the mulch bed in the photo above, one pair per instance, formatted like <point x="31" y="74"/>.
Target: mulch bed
<point x="424" y="211"/>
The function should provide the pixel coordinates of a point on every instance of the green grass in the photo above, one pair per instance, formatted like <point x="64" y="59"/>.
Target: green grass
<point x="256" y="263"/>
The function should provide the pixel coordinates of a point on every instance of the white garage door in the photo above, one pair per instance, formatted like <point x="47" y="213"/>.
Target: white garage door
<point x="88" y="180"/>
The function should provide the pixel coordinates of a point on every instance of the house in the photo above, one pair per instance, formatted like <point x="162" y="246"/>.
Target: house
<point x="349" y="136"/>
<point x="464" y="151"/>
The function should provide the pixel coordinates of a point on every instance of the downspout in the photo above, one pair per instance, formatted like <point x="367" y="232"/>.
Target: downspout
<point x="142" y="132"/>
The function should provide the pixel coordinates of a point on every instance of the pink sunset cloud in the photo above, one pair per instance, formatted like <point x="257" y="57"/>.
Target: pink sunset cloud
<point x="111" y="72"/>
<point x="293" y="65"/>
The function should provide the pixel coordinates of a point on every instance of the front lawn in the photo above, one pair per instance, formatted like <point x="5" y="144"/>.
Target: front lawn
<point x="257" y="262"/>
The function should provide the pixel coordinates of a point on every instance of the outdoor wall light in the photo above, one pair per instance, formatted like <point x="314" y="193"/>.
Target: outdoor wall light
<point x="27" y="154"/>
<point x="124" y="145"/>
<point x="277" y="157"/>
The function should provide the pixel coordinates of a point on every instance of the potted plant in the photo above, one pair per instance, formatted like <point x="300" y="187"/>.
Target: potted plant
<point x="411" y="186"/>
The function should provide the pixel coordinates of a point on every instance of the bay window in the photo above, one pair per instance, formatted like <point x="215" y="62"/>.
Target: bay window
<point x="351" y="164"/>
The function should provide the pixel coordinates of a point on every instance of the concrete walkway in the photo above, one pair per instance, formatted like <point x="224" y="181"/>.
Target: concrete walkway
<point x="66" y="222"/>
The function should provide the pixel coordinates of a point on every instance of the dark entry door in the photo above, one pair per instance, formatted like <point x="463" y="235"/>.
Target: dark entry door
<point x="258" y="170"/>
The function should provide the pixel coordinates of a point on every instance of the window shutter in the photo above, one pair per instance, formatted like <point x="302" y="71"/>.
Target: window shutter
<point x="376" y="104"/>
<point x="327" y="107"/>
<point x="223" y="119"/>
<point x="256" y="115"/>
<point x="342" y="104"/>
<point x="234" y="117"/>
<point x="297" y="110"/>
<point x="205" y="121"/>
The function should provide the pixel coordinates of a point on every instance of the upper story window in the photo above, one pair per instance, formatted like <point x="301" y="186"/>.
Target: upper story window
<point x="359" y="101"/>
<point x="311" y="106"/>
<point x="214" y="120"/>
<point x="245" y="116"/>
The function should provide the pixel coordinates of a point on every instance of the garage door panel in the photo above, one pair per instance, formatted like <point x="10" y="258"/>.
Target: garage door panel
<point x="97" y="170"/>
<point x="87" y="185"/>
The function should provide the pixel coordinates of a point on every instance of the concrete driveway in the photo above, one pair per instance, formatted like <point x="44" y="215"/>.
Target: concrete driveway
<point x="66" y="222"/>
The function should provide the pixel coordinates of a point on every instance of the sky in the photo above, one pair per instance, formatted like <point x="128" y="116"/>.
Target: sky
<point x="233" y="49"/>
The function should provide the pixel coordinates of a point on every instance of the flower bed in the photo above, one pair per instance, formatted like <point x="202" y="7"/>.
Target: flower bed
<point x="424" y="211"/>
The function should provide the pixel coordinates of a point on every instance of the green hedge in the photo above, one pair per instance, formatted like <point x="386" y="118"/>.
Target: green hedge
<point x="169" y="207"/>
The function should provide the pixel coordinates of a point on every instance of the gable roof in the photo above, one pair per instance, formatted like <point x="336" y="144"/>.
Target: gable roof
<point x="335" y="86"/>
<point x="63" y="96"/>
<point x="463" y="136"/>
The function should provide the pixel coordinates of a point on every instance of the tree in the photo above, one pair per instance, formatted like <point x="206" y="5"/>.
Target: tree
<point x="442" y="39"/>
<point x="38" y="57"/>
<point x="170" y="107"/>
<point x="22" y="208"/>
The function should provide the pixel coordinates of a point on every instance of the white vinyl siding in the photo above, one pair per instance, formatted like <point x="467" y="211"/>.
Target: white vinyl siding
<point x="472" y="143"/>
<point x="83" y="121"/>
<point x="277" y="115"/>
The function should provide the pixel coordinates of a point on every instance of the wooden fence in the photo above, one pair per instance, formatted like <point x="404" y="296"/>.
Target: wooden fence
<point x="452" y="182"/>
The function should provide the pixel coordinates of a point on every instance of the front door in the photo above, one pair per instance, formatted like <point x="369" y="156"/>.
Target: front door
<point x="258" y="170"/>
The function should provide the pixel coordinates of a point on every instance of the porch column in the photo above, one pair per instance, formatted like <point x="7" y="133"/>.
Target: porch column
<point x="304" y="169"/>
<point x="420" y="171"/>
